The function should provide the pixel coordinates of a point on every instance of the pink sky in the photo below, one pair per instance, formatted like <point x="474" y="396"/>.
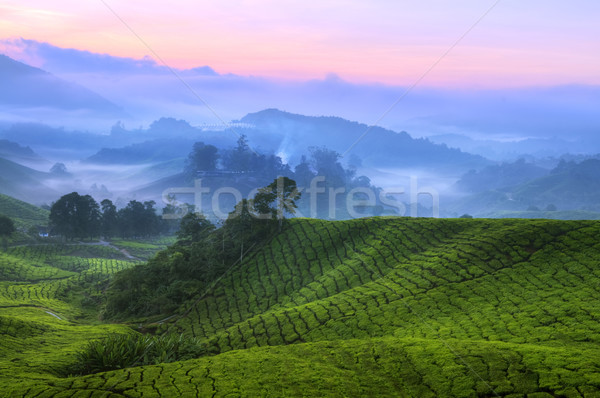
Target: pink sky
<point x="535" y="42"/>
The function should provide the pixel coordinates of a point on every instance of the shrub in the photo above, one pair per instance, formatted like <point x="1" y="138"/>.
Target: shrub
<point x="118" y="351"/>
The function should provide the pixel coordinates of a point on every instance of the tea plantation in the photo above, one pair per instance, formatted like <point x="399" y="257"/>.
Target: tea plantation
<point x="366" y="307"/>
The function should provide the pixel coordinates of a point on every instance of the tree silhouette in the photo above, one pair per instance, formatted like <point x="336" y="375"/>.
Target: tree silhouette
<point x="75" y="216"/>
<point x="110" y="219"/>
<point x="7" y="227"/>
<point x="202" y="158"/>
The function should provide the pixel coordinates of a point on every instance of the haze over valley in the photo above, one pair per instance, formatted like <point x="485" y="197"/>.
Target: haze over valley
<point x="316" y="199"/>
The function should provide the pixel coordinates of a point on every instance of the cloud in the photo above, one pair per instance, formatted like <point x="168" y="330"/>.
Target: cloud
<point x="67" y="61"/>
<point x="148" y="91"/>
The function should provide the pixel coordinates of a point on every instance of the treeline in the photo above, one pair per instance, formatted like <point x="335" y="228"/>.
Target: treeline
<point x="241" y="159"/>
<point x="320" y="166"/>
<point x="80" y="216"/>
<point x="201" y="254"/>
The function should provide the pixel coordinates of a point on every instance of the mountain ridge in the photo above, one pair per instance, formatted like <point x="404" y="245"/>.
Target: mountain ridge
<point x="25" y="86"/>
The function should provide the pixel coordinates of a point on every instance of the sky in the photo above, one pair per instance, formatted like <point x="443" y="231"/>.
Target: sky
<point x="469" y="43"/>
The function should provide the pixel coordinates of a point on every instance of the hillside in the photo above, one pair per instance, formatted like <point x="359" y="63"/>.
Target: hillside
<point x="288" y="133"/>
<point x="24" y="183"/>
<point x="13" y="151"/>
<point x="24" y="86"/>
<point x="23" y="214"/>
<point x="378" y="306"/>
<point x="153" y="151"/>
<point x="569" y="187"/>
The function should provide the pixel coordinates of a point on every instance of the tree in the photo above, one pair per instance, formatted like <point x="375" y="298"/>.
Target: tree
<point x="139" y="219"/>
<point x="110" y="219"/>
<point x="303" y="172"/>
<point x="75" y="216"/>
<point x="202" y="158"/>
<point x="193" y="228"/>
<point x="241" y="158"/>
<point x="7" y="228"/>
<point x="277" y="199"/>
<point x="326" y="163"/>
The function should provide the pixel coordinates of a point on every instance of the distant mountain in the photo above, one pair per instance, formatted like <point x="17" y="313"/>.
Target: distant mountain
<point x="569" y="186"/>
<point x="24" y="86"/>
<point x="512" y="150"/>
<point x="24" y="183"/>
<point x="12" y="150"/>
<point x="292" y="134"/>
<point x="56" y="143"/>
<point x="145" y="152"/>
<point x="500" y="176"/>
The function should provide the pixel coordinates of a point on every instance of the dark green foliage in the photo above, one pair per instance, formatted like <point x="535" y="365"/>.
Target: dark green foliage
<point x="7" y="226"/>
<point x="75" y="216"/>
<point x="194" y="227"/>
<point x="139" y="220"/>
<point x="120" y="351"/>
<point x="201" y="255"/>
<point x="277" y="199"/>
<point x="110" y="219"/>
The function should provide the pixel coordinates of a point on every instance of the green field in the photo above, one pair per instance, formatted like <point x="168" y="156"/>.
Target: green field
<point x="367" y="307"/>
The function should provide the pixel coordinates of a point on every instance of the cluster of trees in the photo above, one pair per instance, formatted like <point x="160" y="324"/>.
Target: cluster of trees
<point x="80" y="216"/>
<point x="240" y="159"/>
<point x="320" y="162"/>
<point x="201" y="254"/>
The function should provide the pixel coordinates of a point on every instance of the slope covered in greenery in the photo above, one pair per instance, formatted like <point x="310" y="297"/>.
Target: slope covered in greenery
<point x="377" y="307"/>
<point x="23" y="214"/>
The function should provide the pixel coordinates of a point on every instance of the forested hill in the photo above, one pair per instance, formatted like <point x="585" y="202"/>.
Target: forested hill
<point x="376" y="306"/>
<point x="375" y="145"/>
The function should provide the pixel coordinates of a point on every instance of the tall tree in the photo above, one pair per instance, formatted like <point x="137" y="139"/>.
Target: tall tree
<point x="326" y="163"/>
<point x="277" y="199"/>
<point x="241" y="158"/>
<point x="202" y="158"/>
<point x="75" y="216"/>
<point x="7" y="227"/>
<point x="110" y="220"/>
<point x="193" y="228"/>
<point x="139" y="219"/>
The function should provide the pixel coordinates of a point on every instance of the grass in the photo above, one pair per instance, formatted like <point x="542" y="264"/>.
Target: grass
<point x="368" y="307"/>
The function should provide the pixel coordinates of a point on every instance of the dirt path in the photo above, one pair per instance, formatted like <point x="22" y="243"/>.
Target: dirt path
<point x="108" y="244"/>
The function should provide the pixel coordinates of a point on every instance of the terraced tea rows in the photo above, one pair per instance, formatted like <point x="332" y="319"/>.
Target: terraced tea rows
<point x="23" y="214"/>
<point x="378" y="306"/>
<point x="374" y="277"/>
<point x="43" y="289"/>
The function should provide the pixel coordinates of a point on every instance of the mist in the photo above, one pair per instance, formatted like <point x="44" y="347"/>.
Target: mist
<point x="146" y="91"/>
